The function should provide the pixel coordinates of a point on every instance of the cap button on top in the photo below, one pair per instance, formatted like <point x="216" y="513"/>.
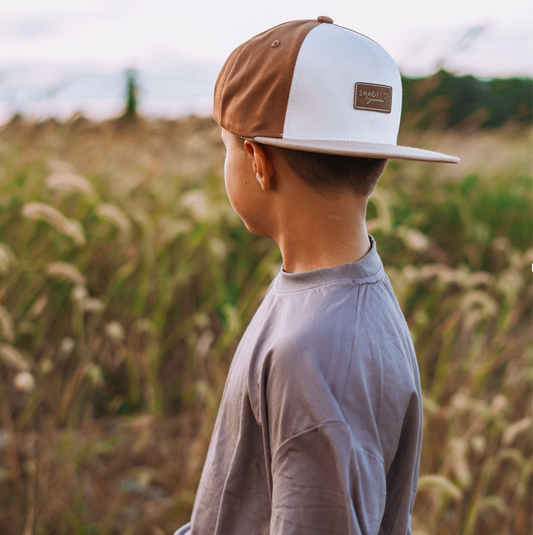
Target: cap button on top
<point x="323" y="18"/>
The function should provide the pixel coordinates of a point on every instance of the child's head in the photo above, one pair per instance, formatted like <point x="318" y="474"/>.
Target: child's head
<point x="313" y="86"/>
<point x="318" y="100"/>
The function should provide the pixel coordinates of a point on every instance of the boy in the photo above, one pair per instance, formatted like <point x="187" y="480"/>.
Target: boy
<point x="319" y="429"/>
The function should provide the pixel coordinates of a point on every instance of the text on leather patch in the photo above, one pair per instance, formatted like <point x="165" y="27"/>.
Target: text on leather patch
<point x="373" y="97"/>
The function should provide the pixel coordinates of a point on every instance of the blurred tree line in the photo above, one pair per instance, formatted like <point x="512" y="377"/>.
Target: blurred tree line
<point x="439" y="101"/>
<point x="444" y="100"/>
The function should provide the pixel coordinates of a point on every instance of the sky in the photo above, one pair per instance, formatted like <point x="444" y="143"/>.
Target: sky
<point x="61" y="51"/>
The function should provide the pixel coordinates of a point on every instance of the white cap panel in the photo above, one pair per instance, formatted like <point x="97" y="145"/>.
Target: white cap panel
<point x="327" y="66"/>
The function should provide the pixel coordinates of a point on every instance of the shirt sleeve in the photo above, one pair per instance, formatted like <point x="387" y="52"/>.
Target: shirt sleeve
<point x="323" y="484"/>
<point x="184" y="530"/>
<point x="323" y="481"/>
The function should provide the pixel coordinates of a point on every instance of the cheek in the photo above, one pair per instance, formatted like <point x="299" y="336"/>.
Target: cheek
<point x="231" y="183"/>
<point x="238" y="180"/>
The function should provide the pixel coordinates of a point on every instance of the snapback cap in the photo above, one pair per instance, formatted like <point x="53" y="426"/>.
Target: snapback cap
<point x="314" y="86"/>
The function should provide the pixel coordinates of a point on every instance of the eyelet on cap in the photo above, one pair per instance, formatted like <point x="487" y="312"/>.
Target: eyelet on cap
<point x="325" y="19"/>
<point x="275" y="43"/>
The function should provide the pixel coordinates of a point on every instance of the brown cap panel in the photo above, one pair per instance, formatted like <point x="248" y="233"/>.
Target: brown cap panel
<point x="252" y="89"/>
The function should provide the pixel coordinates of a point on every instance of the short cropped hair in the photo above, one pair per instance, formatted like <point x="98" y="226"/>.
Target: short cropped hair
<point x="333" y="172"/>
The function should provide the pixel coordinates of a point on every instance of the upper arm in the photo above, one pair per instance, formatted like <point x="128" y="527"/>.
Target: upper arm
<point x="323" y="479"/>
<point x="324" y="483"/>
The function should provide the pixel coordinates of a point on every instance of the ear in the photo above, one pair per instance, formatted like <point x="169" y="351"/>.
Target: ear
<point x="262" y="164"/>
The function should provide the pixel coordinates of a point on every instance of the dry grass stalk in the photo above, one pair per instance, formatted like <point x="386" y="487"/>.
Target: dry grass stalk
<point x="6" y="325"/>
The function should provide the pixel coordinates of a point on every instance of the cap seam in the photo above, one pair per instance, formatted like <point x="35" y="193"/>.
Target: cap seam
<point x="336" y="138"/>
<point x="297" y="80"/>
<point x="288" y="79"/>
<point x="228" y="72"/>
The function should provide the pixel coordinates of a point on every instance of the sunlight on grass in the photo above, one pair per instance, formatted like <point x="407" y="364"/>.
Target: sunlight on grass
<point x="126" y="281"/>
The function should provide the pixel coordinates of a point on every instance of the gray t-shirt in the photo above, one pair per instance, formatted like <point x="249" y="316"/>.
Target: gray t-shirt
<point x="320" y="424"/>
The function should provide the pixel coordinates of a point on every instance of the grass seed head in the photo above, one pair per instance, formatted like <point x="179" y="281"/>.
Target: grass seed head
<point x="493" y="503"/>
<point x="46" y="366"/>
<point x="516" y="429"/>
<point x="172" y="228"/>
<point x="91" y="304"/>
<point x="499" y="405"/>
<point x="14" y="357"/>
<point x="95" y="375"/>
<point x="501" y="244"/>
<point x="59" y="166"/>
<point x="478" y="299"/>
<point x="478" y="444"/>
<point x="76" y="232"/>
<point x="70" y="182"/>
<point x="480" y="278"/>
<point x="458" y="451"/>
<point x="441" y="484"/>
<point x="62" y="270"/>
<point x="7" y="259"/>
<point x="66" y="347"/>
<point x="44" y="212"/>
<point x="383" y="221"/>
<point x="510" y="283"/>
<point x="38" y="306"/>
<point x="24" y="382"/>
<point x="114" y="215"/>
<point x="114" y="331"/>
<point x="413" y="239"/>
<point x="218" y="248"/>
<point x="197" y="203"/>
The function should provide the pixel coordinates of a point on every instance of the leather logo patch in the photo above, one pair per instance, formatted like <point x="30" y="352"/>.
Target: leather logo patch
<point x="373" y="97"/>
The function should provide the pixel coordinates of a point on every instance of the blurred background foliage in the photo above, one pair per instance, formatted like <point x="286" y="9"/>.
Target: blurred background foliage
<point x="444" y="100"/>
<point x="126" y="281"/>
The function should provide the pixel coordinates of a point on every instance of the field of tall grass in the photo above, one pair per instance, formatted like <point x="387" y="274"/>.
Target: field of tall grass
<point x="126" y="281"/>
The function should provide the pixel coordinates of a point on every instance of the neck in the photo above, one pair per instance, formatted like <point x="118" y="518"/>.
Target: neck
<point x="323" y="234"/>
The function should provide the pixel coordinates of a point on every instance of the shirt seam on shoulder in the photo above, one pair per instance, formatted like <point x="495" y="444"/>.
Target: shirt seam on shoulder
<point x="350" y="363"/>
<point x="351" y="353"/>
<point x="354" y="281"/>
<point x="377" y="276"/>
<point x="314" y="286"/>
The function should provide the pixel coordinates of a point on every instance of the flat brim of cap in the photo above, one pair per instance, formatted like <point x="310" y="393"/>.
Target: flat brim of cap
<point x="359" y="148"/>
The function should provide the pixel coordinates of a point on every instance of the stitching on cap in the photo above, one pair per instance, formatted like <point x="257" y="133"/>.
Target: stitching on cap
<point x="228" y="72"/>
<point x="300" y="41"/>
<point x="335" y="138"/>
<point x="296" y="84"/>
